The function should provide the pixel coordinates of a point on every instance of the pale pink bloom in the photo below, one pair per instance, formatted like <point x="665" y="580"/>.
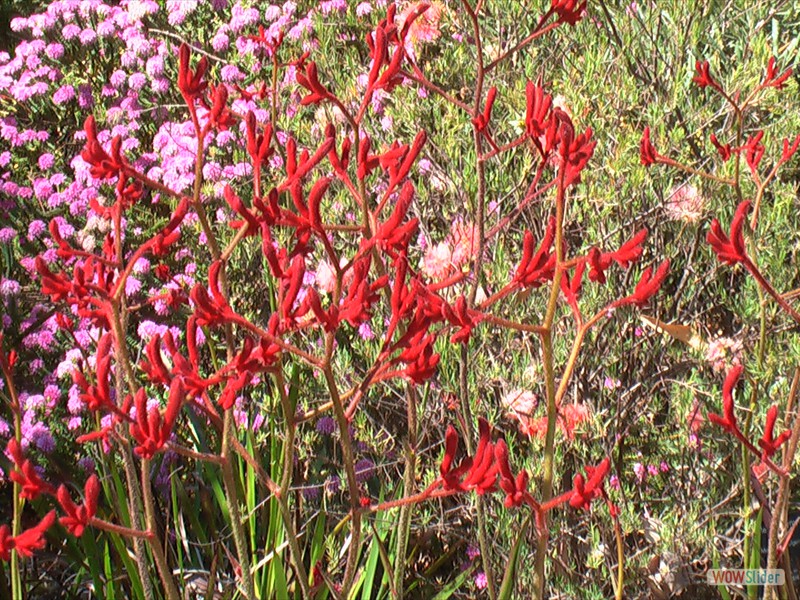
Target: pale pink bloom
<point x="685" y="204"/>
<point x="464" y="240"/>
<point x="424" y="29"/>
<point x="325" y="277"/>
<point x="724" y="353"/>
<point x="437" y="261"/>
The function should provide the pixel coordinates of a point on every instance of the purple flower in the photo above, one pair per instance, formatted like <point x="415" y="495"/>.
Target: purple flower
<point x="137" y="81"/>
<point x="87" y="37"/>
<point x="46" y="161"/>
<point x="220" y="41"/>
<point x="117" y="78"/>
<point x="85" y="98"/>
<point x="6" y="235"/>
<point x="63" y="94"/>
<point x="70" y="31"/>
<point x="480" y="580"/>
<point x="231" y="73"/>
<point x="365" y="468"/>
<point x="326" y="425"/>
<point x="333" y="485"/>
<point x="9" y="287"/>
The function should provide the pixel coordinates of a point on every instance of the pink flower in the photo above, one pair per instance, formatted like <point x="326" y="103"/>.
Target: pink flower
<point x="325" y="277"/>
<point x="685" y="204"/>
<point x="437" y="261"/>
<point x="724" y="353"/>
<point x="424" y="29"/>
<point x="464" y="240"/>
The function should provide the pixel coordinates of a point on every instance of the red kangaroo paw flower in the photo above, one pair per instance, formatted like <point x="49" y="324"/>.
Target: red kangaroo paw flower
<point x="420" y="358"/>
<point x="535" y="269"/>
<point x="152" y="429"/>
<point x="583" y="493"/>
<point x="789" y="150"/>
<point x="703" y="77"/>
<point x="258" y="144"/>
<point x="754" y="152"/>
<point x="310" y="81"/>
<point x="576" y="152"/>
<point x="769" y="443"/>
<point x="568" y="11"/>
<point x="27" y="541"/>
<point x="482" y="477"/>
<point x="78" y="517"/>
<point x="730" y="250"/>
<point x="628" y="253"/>
<point x="190" y="83"/>
<point x="103" y="165"/>
<point x="394" y="235"/>
<point x="25" y="474"/>
<point x="724" y="151"/>
<point x="481" y="122"/>
<point x="648" y="286"/>
<point x="647" y="152"/>
<point x="571" y="286"/>
<point x="463" y="318"/>
<point x="98" y="396"/>
<point x="537" y="110"/>
<point x="250" y="222"/>
<point x="153" y="365"/>
<point x="516" y="488"/>
<point x="772" y="79"/>
<point x="219" y="115"/>
<point x="728" y="419"/>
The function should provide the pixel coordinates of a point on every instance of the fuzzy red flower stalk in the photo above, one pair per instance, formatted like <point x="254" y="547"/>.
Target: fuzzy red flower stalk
<point x="703" y="78"/>
<point x="730" y="250"/>
<point x="298" y="167"/>
<point x="258" y="144"/>
<point x="628" y="253"/>
<point x="190" y="82"/>
<point x="769" y="443"/>
<point x="728" y="418"/>
<point x="481" y="122"/>
<point x="537" y="110"/>
<point x="576" y="153"/>
<point x="584" y="492"/>
<point x="79" y="517"/>
<point x="772" y="78"/>
<point x="789" y="149"/>
<point x="211" y="309"/>
<point x="724" y="150"/>
<point x="220" y="117"/>
<point x="25" y="474"/>
<point x="571" y="287"/>
<point x="478" y="472"/>
<point x="568" y="11"/>
<point x="97" y="396"/>
<point x="647" y="152"/>
<point x="27" y="541"/>
<point x="648" y="286"/>
<point x="459" y="315"/>
<point x="393" y="235"/>
<point x="420" y="358"/>
<point x="103" y="165"/>
<point x="516" y="488"/>
<point x="536" y="268"/>
<point x="151" y="429"/>
<point x="754" y="152"/>
<point x="310" y="81"/>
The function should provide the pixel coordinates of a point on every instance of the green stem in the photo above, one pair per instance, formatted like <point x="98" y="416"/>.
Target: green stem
<point x="156" y="545"/>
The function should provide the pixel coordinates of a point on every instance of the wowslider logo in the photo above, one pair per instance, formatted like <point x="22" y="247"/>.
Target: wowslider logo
<point x="746" y="577"/>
